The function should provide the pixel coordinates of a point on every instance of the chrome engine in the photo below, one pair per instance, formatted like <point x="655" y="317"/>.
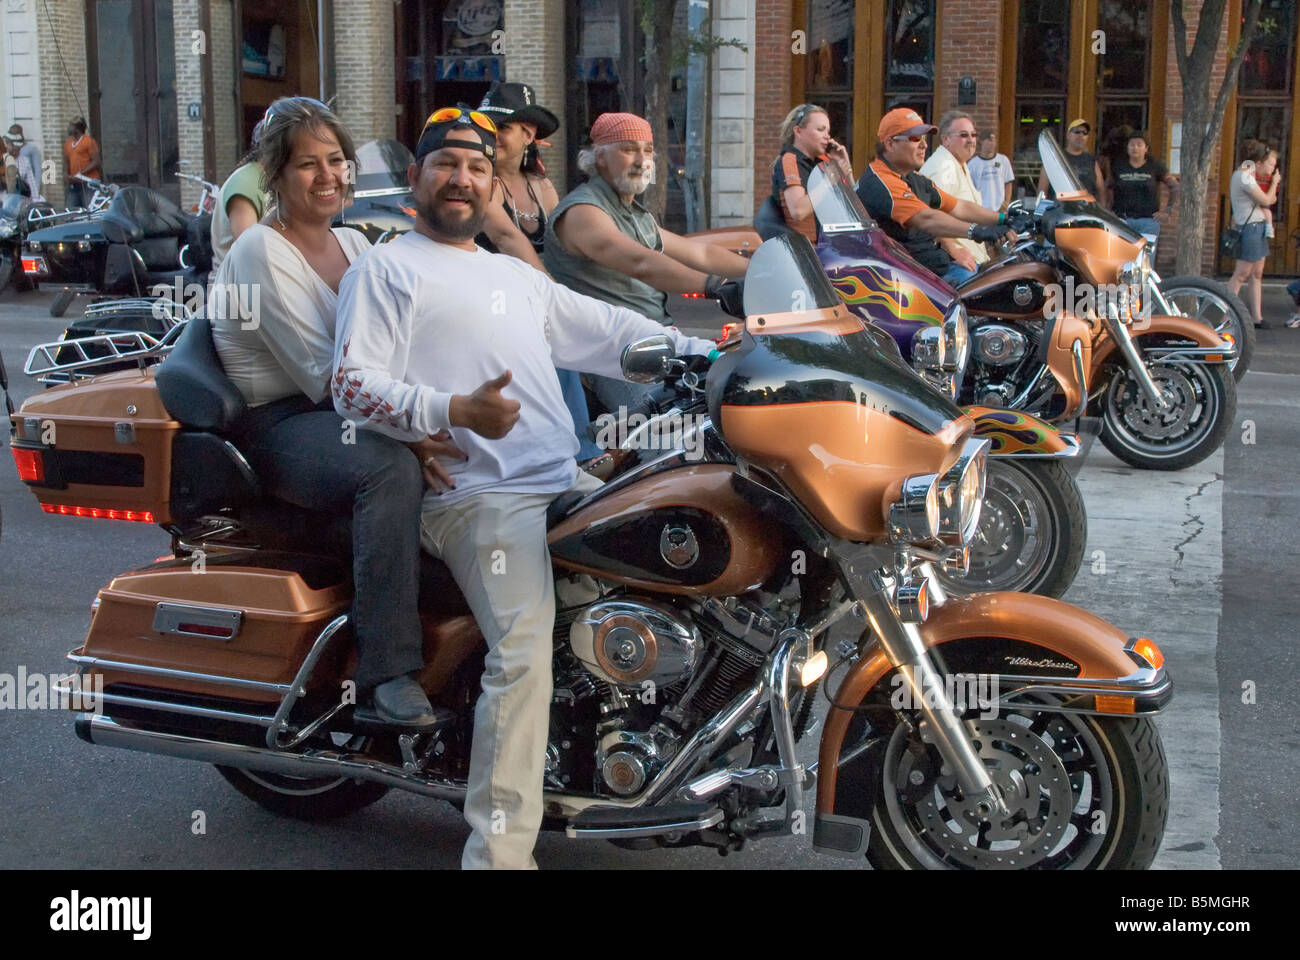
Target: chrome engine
<point x="1000" y="356"/>
<point x="631" y="643"/>
<point x="643" y="674"/>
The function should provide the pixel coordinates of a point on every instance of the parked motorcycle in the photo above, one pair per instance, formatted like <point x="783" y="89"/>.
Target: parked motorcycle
<point x="1209" y="302"/>
<point x="16" y="219"/>
<point x="1057" y="326"/>
<point x="694" y="607"/>
<point x="140" y="241"/>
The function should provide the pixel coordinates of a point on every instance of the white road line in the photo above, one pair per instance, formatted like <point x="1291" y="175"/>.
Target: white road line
<point x="1154" y="568"/>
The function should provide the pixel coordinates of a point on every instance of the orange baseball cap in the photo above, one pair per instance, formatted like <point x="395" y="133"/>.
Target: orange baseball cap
<point x="903" y="121"/>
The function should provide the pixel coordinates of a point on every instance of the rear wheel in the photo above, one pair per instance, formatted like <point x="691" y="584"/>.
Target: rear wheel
<point x="1032" y="531"/>
<point x="306" y="798"/>
<point x="1084" y="793"/>
<point x="1214" y="305"/>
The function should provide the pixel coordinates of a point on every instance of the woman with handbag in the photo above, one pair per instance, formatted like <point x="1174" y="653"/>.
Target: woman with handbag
<point x="1249" y="222"/>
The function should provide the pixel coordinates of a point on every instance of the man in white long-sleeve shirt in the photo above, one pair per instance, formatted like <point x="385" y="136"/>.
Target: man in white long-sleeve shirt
<point x="437" y="334"/>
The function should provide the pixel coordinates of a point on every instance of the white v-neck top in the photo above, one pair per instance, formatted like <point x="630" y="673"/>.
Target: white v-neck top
<point x="273" y="316"/>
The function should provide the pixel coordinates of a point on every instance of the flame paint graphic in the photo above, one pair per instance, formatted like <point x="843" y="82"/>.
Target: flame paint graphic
<point x="904" y="301"/>
<point x="1013" y="432"/>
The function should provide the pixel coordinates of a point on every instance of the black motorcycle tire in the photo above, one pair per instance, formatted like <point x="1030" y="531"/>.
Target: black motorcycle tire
<point x="304" y="798"/>
<point x="1062" y="509"/>
<point x="60" y="305"/>
<point x="1135" y="757"/>
<point x="1242" y="325"/>
<point x="1222" y="393"/>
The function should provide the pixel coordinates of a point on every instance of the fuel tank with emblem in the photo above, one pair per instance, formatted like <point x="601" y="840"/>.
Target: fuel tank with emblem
<point x="1013" y="287"/>
<point x="685" y="530"/>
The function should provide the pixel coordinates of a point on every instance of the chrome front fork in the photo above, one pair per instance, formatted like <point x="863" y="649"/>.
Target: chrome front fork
<point x="906" y="651"/>
<point x="1124" y="340"/>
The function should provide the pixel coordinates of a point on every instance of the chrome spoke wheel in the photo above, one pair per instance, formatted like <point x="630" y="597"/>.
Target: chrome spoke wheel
<point x="1056" y="780"/>
<point x="1015" y="540"/>
<point x="1188" y="415"/>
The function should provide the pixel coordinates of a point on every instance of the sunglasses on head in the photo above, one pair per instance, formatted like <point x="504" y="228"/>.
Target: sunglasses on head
<point x="448" y="114"/>
<point x="270" y="114"/>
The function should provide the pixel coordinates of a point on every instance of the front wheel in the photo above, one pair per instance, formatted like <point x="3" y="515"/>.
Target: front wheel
<point x="1214" y="305"/>
<point x="1200" y="403"/>
<point x="1084" y="793"/>
<point x="1032" y="531"/>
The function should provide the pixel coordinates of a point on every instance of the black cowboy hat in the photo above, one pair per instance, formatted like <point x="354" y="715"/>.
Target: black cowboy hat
<point x="515" y="103"/>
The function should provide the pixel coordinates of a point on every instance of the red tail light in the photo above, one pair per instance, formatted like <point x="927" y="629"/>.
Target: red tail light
<point x="98" y="513"/>
<point x="727" y="330"/>
<point x="31" y="465"/>
<point x="33" y="265"/>
<point x="693" y="296"/>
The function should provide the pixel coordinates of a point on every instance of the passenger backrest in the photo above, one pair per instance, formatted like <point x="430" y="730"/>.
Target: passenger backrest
<point x="193" y="385"/>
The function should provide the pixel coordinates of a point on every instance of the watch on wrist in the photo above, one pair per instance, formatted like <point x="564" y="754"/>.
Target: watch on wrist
<point x="970" y="232"/>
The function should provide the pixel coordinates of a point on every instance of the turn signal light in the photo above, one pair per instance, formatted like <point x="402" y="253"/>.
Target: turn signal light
<point x="1113" y="704"/>
<point x="693" y="295"/>
<point x="727" y="330"/>
<point x="98" y="513"/>
<point x="31" y="465"/>
<point x="31" y="265"/>
<point x="810" y="670"/>
<point x="1146" y="649"/>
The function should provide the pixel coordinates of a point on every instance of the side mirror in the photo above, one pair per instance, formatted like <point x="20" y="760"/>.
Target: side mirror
<point x="643" y="360"/>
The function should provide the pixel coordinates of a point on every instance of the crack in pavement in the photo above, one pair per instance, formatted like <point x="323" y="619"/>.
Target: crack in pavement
<point x="1191" y="518"/>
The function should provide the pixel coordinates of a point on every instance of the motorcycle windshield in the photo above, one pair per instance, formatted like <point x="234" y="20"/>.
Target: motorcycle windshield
<point x="834" y="201"/>
<point x="381" y="168"/>
<point x="1059" y="173"/>
<point x="12" y="207"/>
<point x="817" y="399"/>
<point x="785" y="276"/>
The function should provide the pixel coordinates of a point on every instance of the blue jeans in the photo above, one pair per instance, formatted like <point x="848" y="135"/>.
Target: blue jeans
<point x="301" y="457"/>
<point x="576" y="402"/>
<point x="957" y="275"/>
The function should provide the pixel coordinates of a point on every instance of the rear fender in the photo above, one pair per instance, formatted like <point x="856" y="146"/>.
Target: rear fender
<point x="1025" y="644"/>
<point x="1209" y="346"/>
<point x="1015" y="433"/>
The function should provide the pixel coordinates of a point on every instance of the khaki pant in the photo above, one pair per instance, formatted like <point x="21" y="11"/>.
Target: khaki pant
<point x="495" y="546"/>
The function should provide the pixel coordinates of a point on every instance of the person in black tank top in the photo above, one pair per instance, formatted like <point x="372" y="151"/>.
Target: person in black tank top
<point x="1085" y="165"/>
<point x="527" y="197"/>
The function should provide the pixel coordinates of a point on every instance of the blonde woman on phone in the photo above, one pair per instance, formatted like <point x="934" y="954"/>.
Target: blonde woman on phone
<point x="805" y="141"/>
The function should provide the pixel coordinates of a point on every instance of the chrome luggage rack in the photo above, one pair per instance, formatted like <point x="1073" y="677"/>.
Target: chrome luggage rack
<point x="43" y="362"/>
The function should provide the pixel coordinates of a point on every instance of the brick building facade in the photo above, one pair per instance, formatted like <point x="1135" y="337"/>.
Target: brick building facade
<point x="1031" y="63"/>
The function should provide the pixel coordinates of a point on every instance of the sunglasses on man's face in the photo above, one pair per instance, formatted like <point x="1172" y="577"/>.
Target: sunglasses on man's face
<point x="912" y="139"/>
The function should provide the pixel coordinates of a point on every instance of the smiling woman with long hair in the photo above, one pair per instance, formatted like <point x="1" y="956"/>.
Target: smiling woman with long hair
<point x="272" y="310"/>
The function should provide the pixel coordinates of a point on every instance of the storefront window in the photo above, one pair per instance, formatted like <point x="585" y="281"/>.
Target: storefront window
<point x="471" y="42"/>
<point x="1043" y="47"/>
<point x="1042" y="71"/>
<point x="1126" y="25"/>
<point x="829" y="78"/>
<point x="1270" y="62"/>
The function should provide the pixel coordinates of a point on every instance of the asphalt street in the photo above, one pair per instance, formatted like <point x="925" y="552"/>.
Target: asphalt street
<point x="1203" y="560"/>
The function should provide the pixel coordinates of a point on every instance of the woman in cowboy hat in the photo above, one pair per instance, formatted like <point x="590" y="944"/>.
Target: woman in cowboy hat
<point x="523" y="196"/>
<point x="521" y="188"/>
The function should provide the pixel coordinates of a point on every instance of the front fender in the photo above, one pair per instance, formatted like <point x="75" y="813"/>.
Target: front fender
<point x="1026" y="641"/>
<point x="1184" y="328"/>
<point x="1015" y="433"/>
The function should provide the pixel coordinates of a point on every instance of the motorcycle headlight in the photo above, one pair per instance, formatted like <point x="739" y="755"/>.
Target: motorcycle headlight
<point x="956" y="335"/>
<point x="961" y="494"/>
<point x="1133" y="279"/>
<point x="915" y="516"/>
<point x="929" y="351"/>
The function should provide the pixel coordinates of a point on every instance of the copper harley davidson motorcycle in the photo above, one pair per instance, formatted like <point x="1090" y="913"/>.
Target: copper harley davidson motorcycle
<point x="696" y="598"/>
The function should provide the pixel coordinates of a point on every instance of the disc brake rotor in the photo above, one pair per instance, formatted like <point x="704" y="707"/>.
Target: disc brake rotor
<point x="1181" y="399"/>
<point x="1036" y="789"/>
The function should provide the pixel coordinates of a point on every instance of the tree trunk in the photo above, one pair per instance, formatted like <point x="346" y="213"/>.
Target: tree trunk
<point x="657" y="23"/>
<point x="1203" y="113"/>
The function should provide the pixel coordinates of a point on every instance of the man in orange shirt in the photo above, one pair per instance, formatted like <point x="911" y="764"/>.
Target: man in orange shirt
<point x="910" y="208"/>
<point x="80" y="155"/>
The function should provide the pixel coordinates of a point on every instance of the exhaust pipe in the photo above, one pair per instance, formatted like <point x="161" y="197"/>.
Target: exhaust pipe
<point x="106" y="732"/>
